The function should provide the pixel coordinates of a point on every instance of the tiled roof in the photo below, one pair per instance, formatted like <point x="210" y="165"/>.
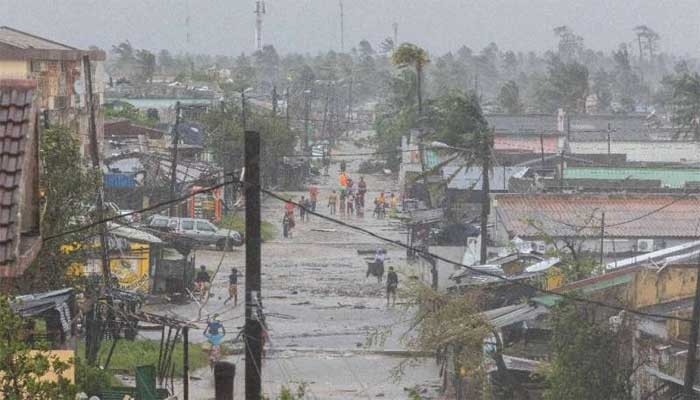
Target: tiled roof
<point x="669" y="177"/>
<point x="579" y="215"/>
<point x="16" y="123"/>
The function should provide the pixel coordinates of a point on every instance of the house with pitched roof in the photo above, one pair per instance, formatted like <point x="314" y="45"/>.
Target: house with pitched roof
<point x="625" y="224"/>
<point x="59" y="72"/>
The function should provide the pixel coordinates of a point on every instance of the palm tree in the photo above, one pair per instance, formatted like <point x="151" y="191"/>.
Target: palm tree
<point x="408" y="54"/>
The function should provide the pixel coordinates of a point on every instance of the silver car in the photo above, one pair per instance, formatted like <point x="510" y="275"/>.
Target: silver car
<point x="200" y="231"/>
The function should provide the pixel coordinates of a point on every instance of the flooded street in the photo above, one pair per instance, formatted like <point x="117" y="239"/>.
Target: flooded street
<point x="319" y="304"/>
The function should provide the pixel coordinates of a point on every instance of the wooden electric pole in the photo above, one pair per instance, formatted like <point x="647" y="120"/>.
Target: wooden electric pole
<point x="173" y="161"/>
<point x="274" y="101"/>
<point x="485" y="200"/>
<point x="185" y="363"/>
<point x="602" y="237"/>
<point x="95" y="155"/>
<point x="253" y="312"/>
<point x="691" y="361"/>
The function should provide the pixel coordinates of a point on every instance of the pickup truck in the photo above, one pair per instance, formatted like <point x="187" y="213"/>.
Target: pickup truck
<point x="199" y="231"/>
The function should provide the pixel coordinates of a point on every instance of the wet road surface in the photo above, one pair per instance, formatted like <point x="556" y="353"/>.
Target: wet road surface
<point x="320" y="307"/>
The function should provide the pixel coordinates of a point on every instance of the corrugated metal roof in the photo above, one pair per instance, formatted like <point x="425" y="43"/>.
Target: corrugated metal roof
<point x="578" y="215"/>
<point x="470" y="178"/>
<point x="669" y="177"/>
<point x="509" y="315"/>
<point x="129" y="233"/>
<point x="673" y="254"/>
<point x="23" y="40"/>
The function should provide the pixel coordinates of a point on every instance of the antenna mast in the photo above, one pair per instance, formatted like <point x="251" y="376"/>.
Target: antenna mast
<point x="342" y="28"/>
<point x="259" y="12"/>
<point x="395" y="25"/>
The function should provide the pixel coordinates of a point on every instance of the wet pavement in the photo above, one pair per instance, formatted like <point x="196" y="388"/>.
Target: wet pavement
<point x="320" y="307"/>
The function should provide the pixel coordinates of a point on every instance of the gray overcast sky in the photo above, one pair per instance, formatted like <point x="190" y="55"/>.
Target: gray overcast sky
<point x="227" y="26"/>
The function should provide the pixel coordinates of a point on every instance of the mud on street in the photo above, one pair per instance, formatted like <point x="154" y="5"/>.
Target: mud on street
<point x="320" y="306"/>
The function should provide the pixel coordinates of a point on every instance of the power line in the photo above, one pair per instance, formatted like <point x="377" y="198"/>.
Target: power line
<point x="384" y="239"/>
<point x="474" y="270"/>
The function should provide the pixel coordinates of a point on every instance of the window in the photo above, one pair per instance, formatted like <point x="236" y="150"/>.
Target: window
<point x="205" y="226"/>
<point x="160" y="222"/>
<point x="187" y="225"/>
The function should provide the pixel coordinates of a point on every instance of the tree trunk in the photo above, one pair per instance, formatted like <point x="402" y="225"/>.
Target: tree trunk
<point x="485" y="205"/>
<point x="419" y="79"/>
<point x="639" y="40"/>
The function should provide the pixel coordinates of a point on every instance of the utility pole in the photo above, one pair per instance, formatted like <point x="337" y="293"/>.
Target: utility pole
<point x="349" y="119"/>
<point x="259" y="12"/>
<point x="691" y="361"/>
<point x="286" y="107"/>
<point x="253" y="324"/>
<point x="395" y="25"/>
<point x="274" y="101"/>
<point x="95" y="155"/>
<point x="243" y="116"/>
<point x="602" y="237"/>
<point x="185" y="363"/>
<point x="307" y="105"/>
<point x="485" y="197"/>
<point x="325" y="111"/>
<point x="173" y="161"/>
<point x="342" y="28"/>
<point x="542" y="148"/>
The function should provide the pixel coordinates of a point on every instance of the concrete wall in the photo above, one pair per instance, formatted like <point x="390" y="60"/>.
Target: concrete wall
<point x="11" y="69"/>
<point x="665" y="151"/>
<point x="653" y="286"/>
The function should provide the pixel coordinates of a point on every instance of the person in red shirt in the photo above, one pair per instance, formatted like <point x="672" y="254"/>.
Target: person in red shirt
<point x="313" y="196"/>
<point x="289" y="206"/>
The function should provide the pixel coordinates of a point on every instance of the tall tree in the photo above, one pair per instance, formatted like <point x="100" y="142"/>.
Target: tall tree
<point x="570" y="44"/>
<point x="409" y="54"/>
<point x="686" y="105"/>
<point x="147" y="64"/>
<point x="646" y="39"/>
<point x="566" y="86"/>
<point x="509" y="98"/>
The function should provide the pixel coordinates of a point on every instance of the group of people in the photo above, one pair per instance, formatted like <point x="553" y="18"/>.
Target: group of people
<point x="351" y="197"/>
<point x="381" y="204"/>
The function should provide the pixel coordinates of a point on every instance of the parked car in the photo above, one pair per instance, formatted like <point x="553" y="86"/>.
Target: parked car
<point x="200" y="231"/>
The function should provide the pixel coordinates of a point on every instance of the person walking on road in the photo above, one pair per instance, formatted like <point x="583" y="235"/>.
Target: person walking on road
<point x="288" y="225"/>
<point x="332" y="202"/>
<point x="233" y="287"/>
<point x="361" y="191"/>
<point x="313" y="197"/>
<point x="350" y="203"/>
<point x="392" y="283"/>
<point x="302" y="209"/>
<point x="289" y="207"/>
<point x="202" y="281"/>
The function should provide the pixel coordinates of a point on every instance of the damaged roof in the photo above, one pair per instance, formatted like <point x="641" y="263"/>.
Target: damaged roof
<point x="579" y="215"/>
<point x="16" y="44"/>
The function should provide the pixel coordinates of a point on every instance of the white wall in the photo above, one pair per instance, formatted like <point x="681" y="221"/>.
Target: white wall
<point x="643" y="151"/>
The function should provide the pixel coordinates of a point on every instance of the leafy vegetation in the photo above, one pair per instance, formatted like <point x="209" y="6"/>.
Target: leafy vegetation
<point x="66" y="204"/>
<point x="268" y="231"/>
<point x="130" y="354"/>
<point x="129" y="112"/>
<point x="23" y="366"/>
<point x="589" y="359"/>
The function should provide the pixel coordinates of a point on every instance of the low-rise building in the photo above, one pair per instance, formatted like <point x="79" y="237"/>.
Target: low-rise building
<point x="627" y="223"/>
<point x="58" y="69"/>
